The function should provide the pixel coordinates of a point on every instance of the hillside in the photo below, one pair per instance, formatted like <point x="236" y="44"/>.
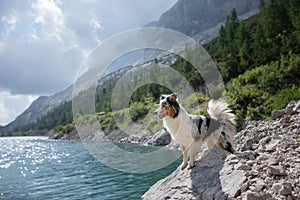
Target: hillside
<point x="38" y="108"/>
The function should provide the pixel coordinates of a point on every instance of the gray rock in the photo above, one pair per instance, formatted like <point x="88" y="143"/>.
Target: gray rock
<point x="277" y="170"/>
<point x="248" y="144"/>
<point x="255" y="196"/>
<point x="241" y="166"/>
<point x="285" y="191"/>
<point x="292" y="107"/>
<point x="277" y="113"/>
<point x="207" y="180"/>
<point x="232" y="183"/>
<point x="276" y="187"/>
<point x="160" y="138"/>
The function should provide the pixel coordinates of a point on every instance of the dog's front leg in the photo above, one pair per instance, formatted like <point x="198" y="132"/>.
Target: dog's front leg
<point x="194" y="151"/>
<point x="185" y="157"/>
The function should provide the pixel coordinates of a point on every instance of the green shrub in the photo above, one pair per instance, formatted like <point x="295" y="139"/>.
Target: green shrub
<point x="283" y="97"/>
<point x="138" y="110"/>
<point x="194" y="102"/>
<point x="260" y="91"/>
<point x="154" y="125"/>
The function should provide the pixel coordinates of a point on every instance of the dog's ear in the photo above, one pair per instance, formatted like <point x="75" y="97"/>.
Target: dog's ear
<point x="173" y="97"/>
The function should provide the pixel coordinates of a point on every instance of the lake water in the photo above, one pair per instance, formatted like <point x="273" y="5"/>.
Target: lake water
<point x="38" y="168"/>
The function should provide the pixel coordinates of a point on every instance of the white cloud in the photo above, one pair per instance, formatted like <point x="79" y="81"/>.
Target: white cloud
<point x="9" y="24"/>
<point x="12" y="105"/>
<point x="37" y="50"/>
<point x="95" y="23"/>
<point x="43" y="42"/>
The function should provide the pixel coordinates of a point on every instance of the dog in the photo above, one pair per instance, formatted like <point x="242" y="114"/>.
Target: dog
<point x="190" y="131"/>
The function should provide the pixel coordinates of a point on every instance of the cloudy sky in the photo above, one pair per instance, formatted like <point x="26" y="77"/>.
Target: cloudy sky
<point x="43" y="42"/>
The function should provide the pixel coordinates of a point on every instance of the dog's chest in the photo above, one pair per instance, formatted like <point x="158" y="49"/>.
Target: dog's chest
<point x="182" y="132"/>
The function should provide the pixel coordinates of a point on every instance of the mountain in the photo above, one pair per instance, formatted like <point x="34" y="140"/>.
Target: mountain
<point x="38" y="108"/>
<point x="200" y="19"/>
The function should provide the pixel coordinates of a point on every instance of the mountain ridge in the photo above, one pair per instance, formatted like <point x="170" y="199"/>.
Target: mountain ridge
<point x="192" y="17"/>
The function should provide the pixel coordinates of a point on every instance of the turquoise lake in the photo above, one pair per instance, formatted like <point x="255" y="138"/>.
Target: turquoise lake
<point x="39" y="168"/>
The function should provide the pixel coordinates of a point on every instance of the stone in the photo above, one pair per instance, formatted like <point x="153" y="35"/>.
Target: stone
<point x="292" y="107"/>
<point x="255" y="196"/>
<point x="270" y="148"/>
<point x="263" y="157"/>
<point x="276" y="187"/>
<point x="253" y="173"/>
<point x="161" y="138"/>
<point x="277" y="113"/>
<point x="251" y="157"/>
<point x="277" y="170"/>
<point x="232" y="183"/>
<point x="241" y="166"/>
<point x="233" y="162"/>
<point x="250" y="162"/>
<point x="273" y="161"/>
<point x="289" y="197"/>
<point x="284" y="191"/>
<point x="248" y="145"/>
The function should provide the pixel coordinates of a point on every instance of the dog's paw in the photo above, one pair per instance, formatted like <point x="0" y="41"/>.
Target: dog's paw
<point x="191" y="166"/>
<point x="183" y="166"/>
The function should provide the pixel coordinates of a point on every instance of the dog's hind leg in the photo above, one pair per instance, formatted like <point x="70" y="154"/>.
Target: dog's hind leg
<point x="194" y="152"/>
<point x="185" y="152"/>
<point x="210" y="142"/>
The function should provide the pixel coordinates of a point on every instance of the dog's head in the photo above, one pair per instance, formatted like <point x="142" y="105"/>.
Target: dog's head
<point x="168" y="106"/>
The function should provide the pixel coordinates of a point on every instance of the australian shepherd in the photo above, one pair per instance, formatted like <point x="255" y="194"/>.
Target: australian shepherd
<point x="190" y="131"/>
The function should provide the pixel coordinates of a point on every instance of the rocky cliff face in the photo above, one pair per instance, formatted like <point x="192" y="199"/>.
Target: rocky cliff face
<point x="192" y="17"/>
<point x="265" y="166"/>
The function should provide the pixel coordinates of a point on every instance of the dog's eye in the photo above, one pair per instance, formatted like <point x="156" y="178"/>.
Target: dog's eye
<point x="165" y="104"/>
<point x="162" y="97"/>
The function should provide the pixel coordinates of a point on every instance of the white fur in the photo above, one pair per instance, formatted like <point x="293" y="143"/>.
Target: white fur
<point x="221" y="111"/>
<point x="181" y="128"/>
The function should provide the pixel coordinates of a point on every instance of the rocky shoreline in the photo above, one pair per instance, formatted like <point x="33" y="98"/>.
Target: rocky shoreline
<point x="265" y="166"/>
<point x="160" y="138"/>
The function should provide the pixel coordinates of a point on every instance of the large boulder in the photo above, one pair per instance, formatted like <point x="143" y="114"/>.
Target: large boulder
<point x="161" y="138"/>
<point x="211" y="178"/>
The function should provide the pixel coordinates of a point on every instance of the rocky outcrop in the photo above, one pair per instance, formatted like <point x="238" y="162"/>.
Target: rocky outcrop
<point x="211" y="178"/>
<point x="161" y="138"/>
<point x="265" y="166"/>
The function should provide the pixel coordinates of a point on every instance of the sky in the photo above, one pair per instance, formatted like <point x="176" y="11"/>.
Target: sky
<point x="43" y="42"/>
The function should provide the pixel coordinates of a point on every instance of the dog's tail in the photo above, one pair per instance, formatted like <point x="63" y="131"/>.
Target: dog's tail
<point x="221" y="111"/>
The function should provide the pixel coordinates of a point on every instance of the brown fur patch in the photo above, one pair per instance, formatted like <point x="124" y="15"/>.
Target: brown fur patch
<point x="173" y="97"/>
<point x="170" y="111"/>
<point x="219" y="144"/>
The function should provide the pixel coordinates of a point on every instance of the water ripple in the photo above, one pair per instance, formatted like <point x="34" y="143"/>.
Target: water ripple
<point x="35" y="168"/>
